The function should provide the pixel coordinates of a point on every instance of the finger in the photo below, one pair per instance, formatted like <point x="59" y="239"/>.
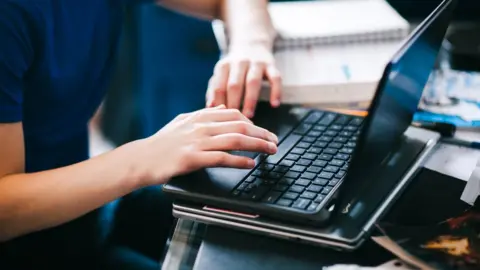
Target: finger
<point x="273" y="75"/>
<point x="218" y="87"/>
<point x="237" y="142"/>
<point x="186" y="115"/>
<point x="224" y="115"/>
<point x="241" y="127"/>
<point x="252" y="91"/>
<point x="222" y="159"/>
<point x="236" y="84"/>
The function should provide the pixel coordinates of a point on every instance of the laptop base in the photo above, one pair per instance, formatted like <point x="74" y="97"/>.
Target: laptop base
<point x="348" y="229"/>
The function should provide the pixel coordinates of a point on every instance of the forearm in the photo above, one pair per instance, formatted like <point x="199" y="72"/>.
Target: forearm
<point x="36" y="201"/>
<point x="248" y="21"/>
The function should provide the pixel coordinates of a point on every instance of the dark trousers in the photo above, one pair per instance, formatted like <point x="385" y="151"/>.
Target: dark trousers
<point x="129" y="233"/>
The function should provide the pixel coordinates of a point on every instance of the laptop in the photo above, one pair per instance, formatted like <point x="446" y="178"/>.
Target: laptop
<point x="330" y="165"/>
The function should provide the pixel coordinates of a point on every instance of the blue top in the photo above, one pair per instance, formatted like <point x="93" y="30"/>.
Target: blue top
<point x="55" y="60"/>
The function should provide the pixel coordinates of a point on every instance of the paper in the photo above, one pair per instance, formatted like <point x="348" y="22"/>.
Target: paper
<point x="455" y="161"/>
<point x="472" y="189"/>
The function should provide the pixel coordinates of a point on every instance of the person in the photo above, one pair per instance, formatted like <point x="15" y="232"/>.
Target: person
<point x="60" y="209"/>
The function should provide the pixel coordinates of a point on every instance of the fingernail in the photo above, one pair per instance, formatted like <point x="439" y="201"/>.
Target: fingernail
<point x="222" y="106"/>
<point x="251" y="163"/>
<point x="249" y="114"/>
<point x="273" y="138"/>
<point x="276" y="103"/>
<point x="272" y="148"/>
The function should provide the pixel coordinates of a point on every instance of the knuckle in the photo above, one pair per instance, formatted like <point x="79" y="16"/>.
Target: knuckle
<point x="253" y="82"/>
<point x="234" y="86"/>
<point x="242" y="127"/>
<point x="218" y="90"/>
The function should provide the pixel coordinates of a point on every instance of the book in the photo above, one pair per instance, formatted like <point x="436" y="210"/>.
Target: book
<point x="333" y="22"/>
<point x="451" y="244"/>
<point x="331" y="51"/>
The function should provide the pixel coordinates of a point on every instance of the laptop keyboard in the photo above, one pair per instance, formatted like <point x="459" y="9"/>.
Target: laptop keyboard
<point x="308" y="164"/>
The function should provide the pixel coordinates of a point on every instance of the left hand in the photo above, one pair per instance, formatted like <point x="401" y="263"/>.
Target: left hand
<point x="238" y="77"/>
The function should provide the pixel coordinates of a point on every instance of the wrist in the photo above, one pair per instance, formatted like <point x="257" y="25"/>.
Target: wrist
<point x="144" y="170"/>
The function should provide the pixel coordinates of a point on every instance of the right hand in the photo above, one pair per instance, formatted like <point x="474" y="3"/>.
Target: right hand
<point x="199" y="140"/>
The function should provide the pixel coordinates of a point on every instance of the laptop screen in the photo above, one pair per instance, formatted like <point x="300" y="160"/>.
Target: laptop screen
<point x="398" y="94"/>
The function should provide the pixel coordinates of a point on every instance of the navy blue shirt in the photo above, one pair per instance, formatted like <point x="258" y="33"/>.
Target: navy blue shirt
<point x="55" y="60"/>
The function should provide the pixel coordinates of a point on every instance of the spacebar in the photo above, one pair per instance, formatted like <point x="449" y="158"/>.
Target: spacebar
<point x="283" y="148"/>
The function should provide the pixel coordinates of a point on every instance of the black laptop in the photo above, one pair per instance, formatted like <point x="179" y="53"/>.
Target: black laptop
<point x="324" y="158"/>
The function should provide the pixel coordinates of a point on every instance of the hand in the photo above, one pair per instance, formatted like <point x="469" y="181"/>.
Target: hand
<point x="200" y="139"/>
<point x="239" y="76"/>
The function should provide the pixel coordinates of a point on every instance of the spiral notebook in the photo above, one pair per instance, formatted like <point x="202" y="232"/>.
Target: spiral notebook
<point x="330" y="51"/>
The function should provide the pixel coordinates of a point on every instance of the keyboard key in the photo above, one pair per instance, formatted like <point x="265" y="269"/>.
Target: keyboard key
<point x="327" y="119"/>
<point x="302" y="182"/>
<point x="250" y="179"/>
<point x="314" y="117"/>
<point x="304" y="162"/>
<point x="356" y="121"/>
<point x="331" y="168"/>
<point x="326" y="175"/>
<point x="312" y="207"/>
<point x="284" y="202"/>
<point x="314" y="169"/>
<point x="267" y="182"/>
<point x="350" y="128"/>
<point x="321" y="182"/>
<point x="351" y="144"/>
<point x="280" y="188"/>
<point x="287" y="163"/>
<point x="298" y="151"/>
<point x="342" y="156"/>
<point x="333" y="182"/>
<point x="337" y="162"/>
<point x="301" y="203"/>
<point x="304" y="145"/>
<point x="274" y="175"/>
<point x="340" y="139"/>
<point x="309" y="175"/>
<point x="319" y="163"/>
<point x="319" y="198"/>
<point x="258" y="192"/>
<point x="336" y="127"/>
<point x="310" y="156"/>
<point x="236" y="193"/>
<point x="286" y="181"/>
<point x="346" y="150"/>
<point x="331" y="133"/>
<point x="292" y="157"/>
<point x="325" y="157"/>
<point x="320" y="144"/>
<point x="298" y="168"/>
<point x="326" y="190"/>
<point x="281" y="169"/>
<point x="314" y="133"/>
<point x="331" y="151"/>
<point x="315" y="150"/>
<point x="271" y="197"/>
<point x="243" y="186"/>
<point x="319" y="128"/>
<point x="308" y="195"/>
<point x="292" y="174"/>
<point x="346" y="134"/>
<point x="308" y="139"/>
<point x="283" y="149"/>
<point x="302" y="129"/>
<point x="296" y="189"/>
<point x="335" y="145"/>
<point x="315" y="188"/>
<point x="325" y="138"/>
<point x="340" y="174"/>
<point x="342" y="120"/>
<point x="290" y="196"/>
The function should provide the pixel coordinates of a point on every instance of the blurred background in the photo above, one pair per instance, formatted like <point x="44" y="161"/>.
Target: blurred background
<point x="164" y="65"/>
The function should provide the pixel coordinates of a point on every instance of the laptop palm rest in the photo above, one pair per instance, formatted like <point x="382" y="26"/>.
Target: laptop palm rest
<point x="347" y="229"/>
